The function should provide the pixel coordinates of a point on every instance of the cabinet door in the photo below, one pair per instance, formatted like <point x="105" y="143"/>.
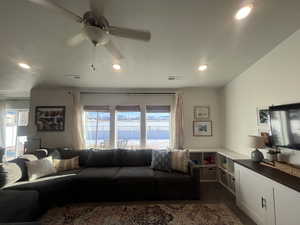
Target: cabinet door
<point x="287" y="205"/>
<point x="255" y="195"/>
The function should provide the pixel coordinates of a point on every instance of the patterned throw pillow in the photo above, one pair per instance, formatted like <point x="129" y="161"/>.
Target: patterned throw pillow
<point x="66" y="164"/>
<point x="161" y="160"/>
<point x="180" y="160"/>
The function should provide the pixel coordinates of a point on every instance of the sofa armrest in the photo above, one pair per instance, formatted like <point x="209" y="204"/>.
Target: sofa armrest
<point x="194" y="171"/>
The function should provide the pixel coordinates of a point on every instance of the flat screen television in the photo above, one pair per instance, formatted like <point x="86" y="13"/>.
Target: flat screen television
<point x="285" y="126"/>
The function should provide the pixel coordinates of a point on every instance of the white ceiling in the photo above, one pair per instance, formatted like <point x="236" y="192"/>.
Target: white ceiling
<point x="185" y="33"/>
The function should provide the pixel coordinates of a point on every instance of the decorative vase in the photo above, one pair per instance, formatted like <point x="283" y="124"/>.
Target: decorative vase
<point x="257" y="156"/>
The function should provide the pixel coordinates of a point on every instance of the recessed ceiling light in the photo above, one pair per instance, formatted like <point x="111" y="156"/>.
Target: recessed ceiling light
<point x="116" y="66"/>
<point x="24" y="66"/>
<point x="244" y="12"/>
<point x="202" y="67"/>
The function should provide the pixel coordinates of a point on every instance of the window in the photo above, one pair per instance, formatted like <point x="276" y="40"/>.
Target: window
<point x="14" y="144"/>
<point x="128" y="127"/>
<point x="97" y="127"/>
<point x="158" y="122"/>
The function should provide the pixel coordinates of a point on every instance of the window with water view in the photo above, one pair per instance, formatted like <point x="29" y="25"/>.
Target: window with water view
<point x="128" y="128"/>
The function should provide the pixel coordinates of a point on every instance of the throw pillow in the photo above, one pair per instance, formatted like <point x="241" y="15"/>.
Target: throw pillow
<point x="66" y="164"/>
<point x="40" y="168"/>
<point x="180" y="160"/>
<point x="161" y="160"/>
<point x="10" y="173"/>
<point x="55" y="155"/>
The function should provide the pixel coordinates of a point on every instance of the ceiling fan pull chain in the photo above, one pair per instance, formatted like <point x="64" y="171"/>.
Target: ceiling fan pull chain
<point x="93" y="67"/>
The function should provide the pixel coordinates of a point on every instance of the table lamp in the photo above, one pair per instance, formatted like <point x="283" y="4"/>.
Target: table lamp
<point x="257" y="142"/>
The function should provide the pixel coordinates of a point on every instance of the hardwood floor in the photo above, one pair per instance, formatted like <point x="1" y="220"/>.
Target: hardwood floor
<point x="215" y="192"/>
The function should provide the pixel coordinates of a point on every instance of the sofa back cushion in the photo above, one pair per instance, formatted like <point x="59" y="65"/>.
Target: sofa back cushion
<point x="102" y="158"/>
<point x="134" y="157"/>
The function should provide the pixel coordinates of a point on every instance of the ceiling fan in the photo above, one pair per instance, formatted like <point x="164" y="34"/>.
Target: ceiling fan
<point x="96" y="27"/>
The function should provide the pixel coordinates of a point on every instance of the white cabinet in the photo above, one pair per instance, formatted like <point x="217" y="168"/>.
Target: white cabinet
<point x="287" y="205"/>
<point x="254" y="195"/>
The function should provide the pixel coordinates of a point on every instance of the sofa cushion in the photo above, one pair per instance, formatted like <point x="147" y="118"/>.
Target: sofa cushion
<point x="66" y="164"/>
<point x="69" y="154"/>
<point x="161" y="160"/>
<point x="180" y="160"/>
<point x="98" y="174"/>
<point x="18" y="206"/>
<point x="162" y="176"/>
<point x="40" y="168"/>
<point x="13" y="171"/>
<point x="135" y="174"/>
<point x="102" y="158"/>
<point x="134" y="157"/>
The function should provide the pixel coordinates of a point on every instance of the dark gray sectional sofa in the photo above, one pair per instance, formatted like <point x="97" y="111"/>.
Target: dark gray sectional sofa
<point x="110" y="175"/>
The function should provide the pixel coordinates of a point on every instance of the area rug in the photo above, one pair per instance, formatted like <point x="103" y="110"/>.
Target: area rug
<point x="141" y="214"/>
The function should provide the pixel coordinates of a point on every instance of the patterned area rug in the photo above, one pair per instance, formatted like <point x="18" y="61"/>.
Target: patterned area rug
<point x="144" y="214"/>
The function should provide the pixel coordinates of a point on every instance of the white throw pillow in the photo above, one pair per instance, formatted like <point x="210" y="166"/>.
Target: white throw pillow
<point x="180" y="160"/>
<point x="40" y="168"/>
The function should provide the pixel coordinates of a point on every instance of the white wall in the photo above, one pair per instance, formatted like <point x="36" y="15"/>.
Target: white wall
<point x="275" y="79"/>
<point x="192" y="97"/>
<point x="52" y="97"/>
<point x="207" y="97"/>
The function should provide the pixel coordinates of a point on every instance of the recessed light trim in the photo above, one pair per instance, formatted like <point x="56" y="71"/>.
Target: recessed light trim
<point x="116" y="67"/>
<point x="244" y="12"/>
<point x="24" y="65"/>
<point x="203" y="67"/>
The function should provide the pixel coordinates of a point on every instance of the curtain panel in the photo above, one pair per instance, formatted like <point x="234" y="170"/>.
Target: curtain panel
<point x="77" y="122"/>
<point x="178" y="132"/>
<point x="2" y="123"/>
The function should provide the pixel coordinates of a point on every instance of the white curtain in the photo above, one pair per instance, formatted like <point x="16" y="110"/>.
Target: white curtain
<point x="2" y="123"/>
<point x="178" y="139"/>
<point x="77" y="122"/>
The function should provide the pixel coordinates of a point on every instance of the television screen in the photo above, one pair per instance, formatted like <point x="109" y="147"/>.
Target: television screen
<point x="285" y="126"/>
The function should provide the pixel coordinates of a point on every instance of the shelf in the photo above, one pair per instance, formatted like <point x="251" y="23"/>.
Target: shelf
<point x="233" y="192"/>
<point x="226" y="171"/>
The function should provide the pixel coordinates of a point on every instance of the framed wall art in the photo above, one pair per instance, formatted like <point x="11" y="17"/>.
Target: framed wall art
<point x="50" y="118"/>
<point x="201" y="112"/>
<point x="202" y="128"/>
<point x="263" y="118"/>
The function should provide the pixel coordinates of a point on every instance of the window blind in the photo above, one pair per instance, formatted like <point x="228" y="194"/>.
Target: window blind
<point x="94" y="108"/>
<point x="158" y="108"/>
<point x="128" y="108"/>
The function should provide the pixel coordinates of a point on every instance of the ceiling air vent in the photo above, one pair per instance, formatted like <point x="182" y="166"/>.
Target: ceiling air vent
<point x="173" y="78"/>
<point x="77" y="77"/>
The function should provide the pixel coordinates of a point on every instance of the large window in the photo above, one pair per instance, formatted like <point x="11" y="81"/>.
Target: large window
<point x="158" y="124"/>
<point x="128" y="127"/>
<point x="97" y="127"/>
<point x="14" y="143"/>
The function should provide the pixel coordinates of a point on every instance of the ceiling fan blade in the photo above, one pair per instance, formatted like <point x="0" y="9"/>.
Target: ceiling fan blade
<point x="49" y="4"/>
<point x="110" y="46"/>
<point x="76" y="40"/>
<point x="141" y="35"/>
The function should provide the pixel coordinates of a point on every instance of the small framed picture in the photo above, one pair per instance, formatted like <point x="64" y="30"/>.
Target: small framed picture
<point x="202" y="128"/>
<point x="263" y="118"/>
<point x="201" y="112"/>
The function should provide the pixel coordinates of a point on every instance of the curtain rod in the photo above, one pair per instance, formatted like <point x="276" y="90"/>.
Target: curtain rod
<point x="127" y="93"/>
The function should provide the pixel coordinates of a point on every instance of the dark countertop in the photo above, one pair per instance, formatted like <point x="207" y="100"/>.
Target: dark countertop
<point x="274" y="174"/>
